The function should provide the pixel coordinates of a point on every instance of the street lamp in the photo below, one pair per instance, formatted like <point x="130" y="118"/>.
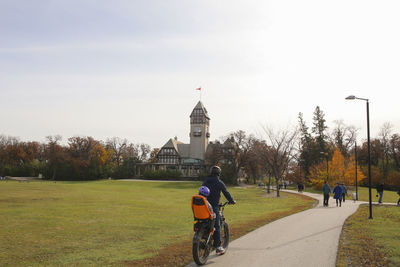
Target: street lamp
<point x="355" y="159"/>
<point x="352" y="97"/>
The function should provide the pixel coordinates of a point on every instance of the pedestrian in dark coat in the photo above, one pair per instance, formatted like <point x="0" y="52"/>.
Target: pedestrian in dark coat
<point x="398" y="201"/>
<point x="344" y="192"/>
<point x="326" y="189"/>
<point x="337" y="194"/>
<point x="379" y="189"/>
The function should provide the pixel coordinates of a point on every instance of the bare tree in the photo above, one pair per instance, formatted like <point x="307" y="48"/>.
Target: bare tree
<point x="395" y="149"/>
<point x="145" y="150"/>
<point x="279" y="151"/>
<point x="241" y="150"/>
<point x="117" y="146"/>
<point x="384" y="137"/>
<point x="344" y="137"/>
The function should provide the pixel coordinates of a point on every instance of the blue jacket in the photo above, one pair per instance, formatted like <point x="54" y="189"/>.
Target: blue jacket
<point x="337" y="191"/>
<point x="216" y="186"/>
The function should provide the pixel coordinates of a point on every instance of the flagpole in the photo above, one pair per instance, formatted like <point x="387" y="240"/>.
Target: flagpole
<point x="199" y="89"/>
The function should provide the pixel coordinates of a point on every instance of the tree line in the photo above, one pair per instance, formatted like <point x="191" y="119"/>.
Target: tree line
<point x="310" y="155"/>
<point x="300" y="153"/>
<point x="82" y="158"/>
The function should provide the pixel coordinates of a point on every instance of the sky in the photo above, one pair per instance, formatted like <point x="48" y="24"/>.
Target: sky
<point x="129" y="69"/>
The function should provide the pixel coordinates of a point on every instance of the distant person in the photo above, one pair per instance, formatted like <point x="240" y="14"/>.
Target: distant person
<point x="379" y="189"/>
<point x="300" y="187"/>
<point x="398" y="201"/>
<point x="344" y="192"/>
<point x="284" y="184"/>
<point x="337" y="194"/>
<point x="326" y="189"/>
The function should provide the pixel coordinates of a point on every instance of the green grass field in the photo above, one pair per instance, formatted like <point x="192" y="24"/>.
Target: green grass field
<point x="112" y="223"/>
<point x="375" y="242"/>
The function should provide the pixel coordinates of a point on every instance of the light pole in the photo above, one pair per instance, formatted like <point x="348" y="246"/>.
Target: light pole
<point x="355" y="159"/>
<point x="352" y="97"/>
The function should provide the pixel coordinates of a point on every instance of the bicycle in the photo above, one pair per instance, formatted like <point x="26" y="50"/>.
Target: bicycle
<point x="203" y="241"/>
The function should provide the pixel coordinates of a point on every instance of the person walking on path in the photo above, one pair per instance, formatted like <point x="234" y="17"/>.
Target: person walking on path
<point x="300" y="187"/>
<point x="326" y="189"/>
<point x="337" y="194"/>
<point x="344" y="192"/>
<point x="379" y="189"/>
<point x="398" y="201"/>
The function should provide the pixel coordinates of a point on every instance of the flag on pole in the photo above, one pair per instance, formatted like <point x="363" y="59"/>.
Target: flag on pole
<point x="198" y="88"/>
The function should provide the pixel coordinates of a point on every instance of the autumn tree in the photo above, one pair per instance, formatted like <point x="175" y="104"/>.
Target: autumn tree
<point x="87" y="158"/>
<point x="340" y="170"/>
<point x="54" y="154"/>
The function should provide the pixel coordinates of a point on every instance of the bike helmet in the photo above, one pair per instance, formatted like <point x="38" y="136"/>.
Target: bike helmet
<point x="204" y="191"/>
<point x="215" y="170"/>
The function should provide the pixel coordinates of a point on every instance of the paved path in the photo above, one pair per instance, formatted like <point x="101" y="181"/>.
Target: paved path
<point x="309" y="238"/>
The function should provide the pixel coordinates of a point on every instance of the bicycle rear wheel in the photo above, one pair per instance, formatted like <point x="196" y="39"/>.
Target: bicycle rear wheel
<point x="225" y="235"/>
<point x="200" y="249"/>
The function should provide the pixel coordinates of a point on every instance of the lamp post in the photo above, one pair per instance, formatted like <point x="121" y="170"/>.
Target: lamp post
<point x="352" y="97"/>
<point x="355" y="159"/>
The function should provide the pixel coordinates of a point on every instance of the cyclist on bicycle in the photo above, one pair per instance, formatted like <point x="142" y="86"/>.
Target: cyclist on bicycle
<point x="216" y="186"/>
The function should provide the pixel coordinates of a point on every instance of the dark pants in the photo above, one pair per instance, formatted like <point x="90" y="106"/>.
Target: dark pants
<point x="344" y="197"/>
<point x="217" y="233"/>
<point x="326" y="199"/>
<point x="380" y="196"/>
<point x="339" y="201"/>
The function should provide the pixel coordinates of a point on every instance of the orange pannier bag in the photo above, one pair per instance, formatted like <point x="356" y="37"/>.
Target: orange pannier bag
<point x="200" y="208"/>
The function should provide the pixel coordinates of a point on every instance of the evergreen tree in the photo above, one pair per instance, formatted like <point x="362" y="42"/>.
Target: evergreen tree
<point x="319" y="131"/>
<point x="306" y="147"/>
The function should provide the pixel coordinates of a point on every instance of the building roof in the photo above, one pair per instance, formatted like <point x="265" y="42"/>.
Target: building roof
<point x="201" y="106"/>
<point x="172" y="143"/>
<point x="184" y="150"/>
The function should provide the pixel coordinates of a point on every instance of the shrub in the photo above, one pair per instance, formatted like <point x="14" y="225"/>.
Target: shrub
<point x="162" y="175"/>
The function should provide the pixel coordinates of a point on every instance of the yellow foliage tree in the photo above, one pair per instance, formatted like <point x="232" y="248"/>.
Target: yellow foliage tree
<point x="350" y="173"/>
<point x="339" y="170"/>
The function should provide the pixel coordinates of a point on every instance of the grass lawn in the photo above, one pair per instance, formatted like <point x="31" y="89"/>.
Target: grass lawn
<point x="117" y="223"/>
<point x="373" y="242"/>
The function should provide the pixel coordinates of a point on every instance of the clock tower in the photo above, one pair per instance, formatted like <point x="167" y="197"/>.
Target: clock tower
<point x="199" y="131"/>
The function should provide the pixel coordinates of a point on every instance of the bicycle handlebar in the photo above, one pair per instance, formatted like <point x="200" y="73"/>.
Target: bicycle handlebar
<point x="226" y="203"/>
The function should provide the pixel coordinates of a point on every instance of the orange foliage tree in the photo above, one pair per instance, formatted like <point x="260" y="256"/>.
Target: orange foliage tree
<point x="339" y="170"/>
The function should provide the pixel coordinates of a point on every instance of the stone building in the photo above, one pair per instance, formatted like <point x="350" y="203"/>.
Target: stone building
<point x="188" y="158"/>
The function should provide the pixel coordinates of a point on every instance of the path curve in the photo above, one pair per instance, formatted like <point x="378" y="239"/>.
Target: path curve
<point x="308" y="238"/>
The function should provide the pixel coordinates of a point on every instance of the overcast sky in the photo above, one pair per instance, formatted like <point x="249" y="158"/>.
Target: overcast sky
<point x="130" y="68"/>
